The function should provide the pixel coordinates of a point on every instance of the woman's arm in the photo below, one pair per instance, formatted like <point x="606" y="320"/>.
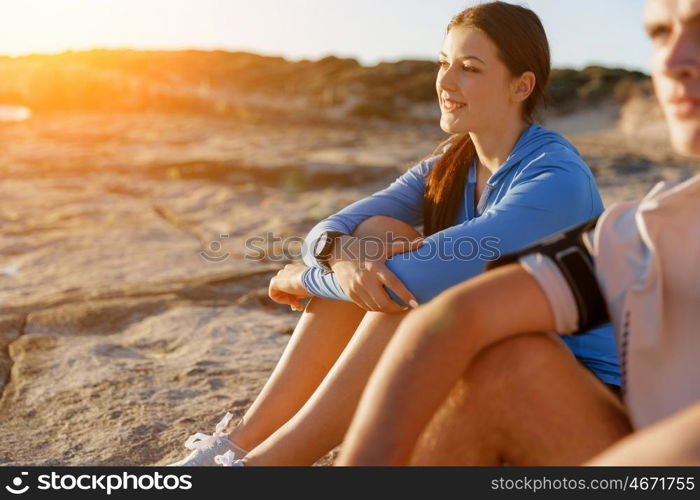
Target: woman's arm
<point x="401" y="200"/>
<point x="363" y="279"/>
<point x="544" y="200"/>
<point x="429" y="353"/>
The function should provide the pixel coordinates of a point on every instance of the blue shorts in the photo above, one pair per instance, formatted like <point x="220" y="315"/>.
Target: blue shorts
<point x="597" y="350"/>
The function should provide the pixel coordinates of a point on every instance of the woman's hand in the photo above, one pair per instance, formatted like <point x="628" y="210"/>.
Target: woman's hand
<point x="287" y="287"/>
<point x="363" y="278"/>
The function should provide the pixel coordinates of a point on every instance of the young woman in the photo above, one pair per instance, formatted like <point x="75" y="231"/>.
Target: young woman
<point x="641" y="262"/>
<point x="498" y="184"/>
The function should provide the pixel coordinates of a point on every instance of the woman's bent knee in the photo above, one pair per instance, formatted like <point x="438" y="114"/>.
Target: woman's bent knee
<point x="320" y="305"/>
<point x="381" y="226"/>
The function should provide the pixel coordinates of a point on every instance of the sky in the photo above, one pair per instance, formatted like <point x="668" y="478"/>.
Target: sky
<point x="581" y="32"/>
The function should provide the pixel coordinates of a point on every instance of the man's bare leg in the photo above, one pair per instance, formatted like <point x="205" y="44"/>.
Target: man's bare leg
<point x="523" y="401"/>
<point x="433" y="349"/>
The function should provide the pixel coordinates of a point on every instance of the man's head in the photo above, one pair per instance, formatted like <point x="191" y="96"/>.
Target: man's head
<point x="674" y="28"/>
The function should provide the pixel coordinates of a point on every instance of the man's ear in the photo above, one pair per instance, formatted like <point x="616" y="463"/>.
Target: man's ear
<point x="522" y="86"/>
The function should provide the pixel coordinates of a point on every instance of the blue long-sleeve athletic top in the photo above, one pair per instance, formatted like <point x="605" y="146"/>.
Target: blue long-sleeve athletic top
<point x="543" y="187"/>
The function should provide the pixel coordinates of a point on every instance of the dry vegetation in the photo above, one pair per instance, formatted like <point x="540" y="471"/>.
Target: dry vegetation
<point x="251" y="86"/>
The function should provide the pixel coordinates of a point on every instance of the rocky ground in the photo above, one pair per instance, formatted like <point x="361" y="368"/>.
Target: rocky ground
<point x="131" y="312"/>
<point x="130" y="316"/>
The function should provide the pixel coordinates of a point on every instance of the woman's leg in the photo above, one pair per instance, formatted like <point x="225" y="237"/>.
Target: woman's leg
<point x="322" y="422"/>
<point x="322" y="333"/>
<point x="523" y="401"/>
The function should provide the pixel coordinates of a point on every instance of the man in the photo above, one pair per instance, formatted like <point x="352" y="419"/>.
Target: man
<point x="466" y="381"/>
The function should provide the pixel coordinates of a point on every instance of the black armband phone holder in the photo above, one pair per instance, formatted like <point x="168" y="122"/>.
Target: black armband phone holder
<point x="570" y="254"/>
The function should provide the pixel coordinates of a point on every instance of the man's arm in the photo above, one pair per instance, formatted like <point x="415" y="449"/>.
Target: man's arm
<point x="673" y="441"/>
<point x="429" y="353"/>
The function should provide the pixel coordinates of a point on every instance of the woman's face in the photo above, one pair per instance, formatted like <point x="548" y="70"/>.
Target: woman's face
<point x="474" y="86"/>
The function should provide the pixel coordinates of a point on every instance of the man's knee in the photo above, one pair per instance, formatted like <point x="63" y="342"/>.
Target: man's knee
<point x="380" y="226"/>
<point x="515" y="359"/>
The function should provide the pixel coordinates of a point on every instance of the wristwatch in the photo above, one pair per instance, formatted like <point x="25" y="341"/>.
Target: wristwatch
<point x="324" y="246"/>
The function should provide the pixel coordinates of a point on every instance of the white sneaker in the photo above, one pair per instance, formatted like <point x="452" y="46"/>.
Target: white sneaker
<point x="228" y="459"/>
<point x="205" y="447"/>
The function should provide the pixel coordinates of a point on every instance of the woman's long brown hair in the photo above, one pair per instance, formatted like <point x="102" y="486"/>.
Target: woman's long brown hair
<point x="522" y="46"/>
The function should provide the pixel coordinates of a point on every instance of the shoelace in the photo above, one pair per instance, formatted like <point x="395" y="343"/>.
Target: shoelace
<point x="200" y="440"/>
